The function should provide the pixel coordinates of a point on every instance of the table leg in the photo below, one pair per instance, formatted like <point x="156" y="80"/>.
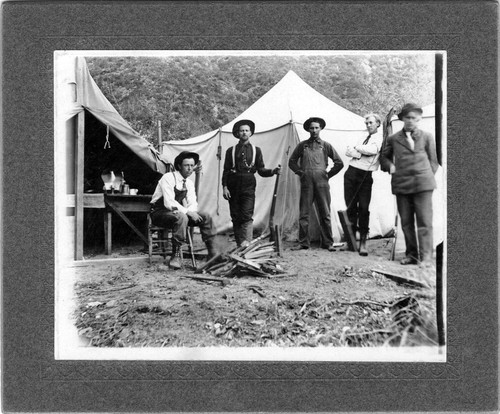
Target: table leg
<point x="108" y="220"/>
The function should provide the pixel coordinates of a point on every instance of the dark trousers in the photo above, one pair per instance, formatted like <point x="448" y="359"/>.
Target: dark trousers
<point x="357" y="195"/>
<point x="241" y="186"/>
<point x="417" y="206"/>
<point x="314" y="188"/>
<point x="178" y="223"/>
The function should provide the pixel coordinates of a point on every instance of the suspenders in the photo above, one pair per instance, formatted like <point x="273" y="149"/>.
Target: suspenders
<point x="254" y="152"/>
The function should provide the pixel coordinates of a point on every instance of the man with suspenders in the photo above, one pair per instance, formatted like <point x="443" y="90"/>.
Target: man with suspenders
<point x="238" y="180"/>
<point x="174" y="206"/>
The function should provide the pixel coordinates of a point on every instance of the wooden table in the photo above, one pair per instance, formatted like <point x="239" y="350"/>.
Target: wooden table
<point x="120" y="204"/>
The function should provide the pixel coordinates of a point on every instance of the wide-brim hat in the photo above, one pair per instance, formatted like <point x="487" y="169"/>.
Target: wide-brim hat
<point x="236" y="126"/>
<point x="409" y="107"/>
<point x="183" y="155"/>
<point x="320" y="121"/>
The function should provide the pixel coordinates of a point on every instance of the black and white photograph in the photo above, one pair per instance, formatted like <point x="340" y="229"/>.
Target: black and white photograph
<point x="250" y="205"/>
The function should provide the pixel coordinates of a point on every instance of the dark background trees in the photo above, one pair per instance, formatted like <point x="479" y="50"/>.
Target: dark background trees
<point x="192" y="95"/>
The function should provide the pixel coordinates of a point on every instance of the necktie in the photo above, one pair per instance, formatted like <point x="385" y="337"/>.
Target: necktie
<point x="366" y="140"/>
<point x="184" y="188"/>
<point x="409" y="138"/>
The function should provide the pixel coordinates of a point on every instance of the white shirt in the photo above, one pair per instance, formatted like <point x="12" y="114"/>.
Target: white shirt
<point x="366" y="157"/>
<point x="165" y="189"/>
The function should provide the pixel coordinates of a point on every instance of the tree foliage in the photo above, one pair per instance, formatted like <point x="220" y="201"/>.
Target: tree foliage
<point x="192" y="95"/>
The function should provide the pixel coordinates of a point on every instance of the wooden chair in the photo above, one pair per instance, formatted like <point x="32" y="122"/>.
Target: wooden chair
<point x="160" y="242"/>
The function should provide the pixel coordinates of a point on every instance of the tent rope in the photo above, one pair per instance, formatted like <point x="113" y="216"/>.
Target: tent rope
<point x="107" y="144"/>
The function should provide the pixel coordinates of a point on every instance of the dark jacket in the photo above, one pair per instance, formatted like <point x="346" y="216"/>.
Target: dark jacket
<point x="415" y="168"/>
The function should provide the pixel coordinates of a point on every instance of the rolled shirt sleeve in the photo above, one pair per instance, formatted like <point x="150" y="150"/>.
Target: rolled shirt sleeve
<point x="351" y="152"/>
<point x="373" y="146"/>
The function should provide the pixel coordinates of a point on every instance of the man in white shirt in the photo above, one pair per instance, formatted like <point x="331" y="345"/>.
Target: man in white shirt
<point x="358" y="178"/>
<point x="174" y="206"/>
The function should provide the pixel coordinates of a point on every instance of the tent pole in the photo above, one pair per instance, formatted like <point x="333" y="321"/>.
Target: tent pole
<point x="79" y="161"/>
<point x="159" y="137"/>
<point x="79" y="168"/>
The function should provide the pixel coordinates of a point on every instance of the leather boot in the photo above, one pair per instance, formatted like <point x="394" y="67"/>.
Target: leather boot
<point x="247" y="231"/>
<point x="362" y="245"/>
<point x="175" y="261"/>
<point x="237" y="234"/>
<point x="212" y="250"/>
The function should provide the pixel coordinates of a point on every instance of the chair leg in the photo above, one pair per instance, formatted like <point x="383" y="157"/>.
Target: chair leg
<point x="150" y="242"/>
<point x="163" y="245"/>
<point x="191" y="249"/>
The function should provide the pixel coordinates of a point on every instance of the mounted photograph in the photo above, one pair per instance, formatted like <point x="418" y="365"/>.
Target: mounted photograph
<point x="250" y="205"/>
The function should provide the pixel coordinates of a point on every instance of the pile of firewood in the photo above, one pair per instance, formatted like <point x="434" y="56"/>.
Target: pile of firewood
<point x="259" y="258"/>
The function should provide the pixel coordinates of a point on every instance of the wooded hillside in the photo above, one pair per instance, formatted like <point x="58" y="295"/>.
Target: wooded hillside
<point x="194" y="95"/>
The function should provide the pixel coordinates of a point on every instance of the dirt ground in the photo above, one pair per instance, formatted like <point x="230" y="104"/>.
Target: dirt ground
<point x="328" y="299"/>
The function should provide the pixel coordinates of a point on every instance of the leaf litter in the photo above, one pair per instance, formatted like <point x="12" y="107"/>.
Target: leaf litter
<point x="344" y="304"/>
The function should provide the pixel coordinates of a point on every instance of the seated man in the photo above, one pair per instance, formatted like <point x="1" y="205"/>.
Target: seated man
<point x="174" y="206"/>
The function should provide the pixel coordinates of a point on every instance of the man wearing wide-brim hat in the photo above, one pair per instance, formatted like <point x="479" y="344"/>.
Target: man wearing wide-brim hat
<point x="241" y="163"/>
<point x="309" y="161"/>
<point x="410" y="157"/>
<point x="174" y="206"/>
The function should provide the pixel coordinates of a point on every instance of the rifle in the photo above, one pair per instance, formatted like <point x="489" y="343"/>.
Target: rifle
<point x="395" y="236"/>
<point x="388" y="131"/>
<point x="273" y="207"/>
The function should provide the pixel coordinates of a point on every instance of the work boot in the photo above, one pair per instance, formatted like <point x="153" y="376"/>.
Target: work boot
<point x="237" y="234"/>
<point x="330" y="247"/>
<point x="247" y="231"/>
<point x="362" y="245"/>
<point x="409" y="260"/>
<point x="212" y="250"/>
<point x="175" y="260"/>
<point x="301" y="247"/>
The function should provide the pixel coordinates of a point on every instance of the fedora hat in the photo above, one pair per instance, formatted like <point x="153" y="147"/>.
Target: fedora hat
<point x="236" y="126"/>
<point x="409" y="107"/>
<point x="320" y="121"/>
<point x="182" y="156"/>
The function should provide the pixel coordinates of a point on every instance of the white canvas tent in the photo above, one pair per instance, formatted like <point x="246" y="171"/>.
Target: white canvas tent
<point x="278" y="116"/>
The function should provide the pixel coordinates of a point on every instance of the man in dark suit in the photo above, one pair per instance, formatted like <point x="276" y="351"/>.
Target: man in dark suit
<point x="410" y="157"/>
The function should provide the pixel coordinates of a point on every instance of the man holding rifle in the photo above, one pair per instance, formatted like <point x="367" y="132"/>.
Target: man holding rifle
<point x="238" y="179"/>
<point x="358" y="179"/>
